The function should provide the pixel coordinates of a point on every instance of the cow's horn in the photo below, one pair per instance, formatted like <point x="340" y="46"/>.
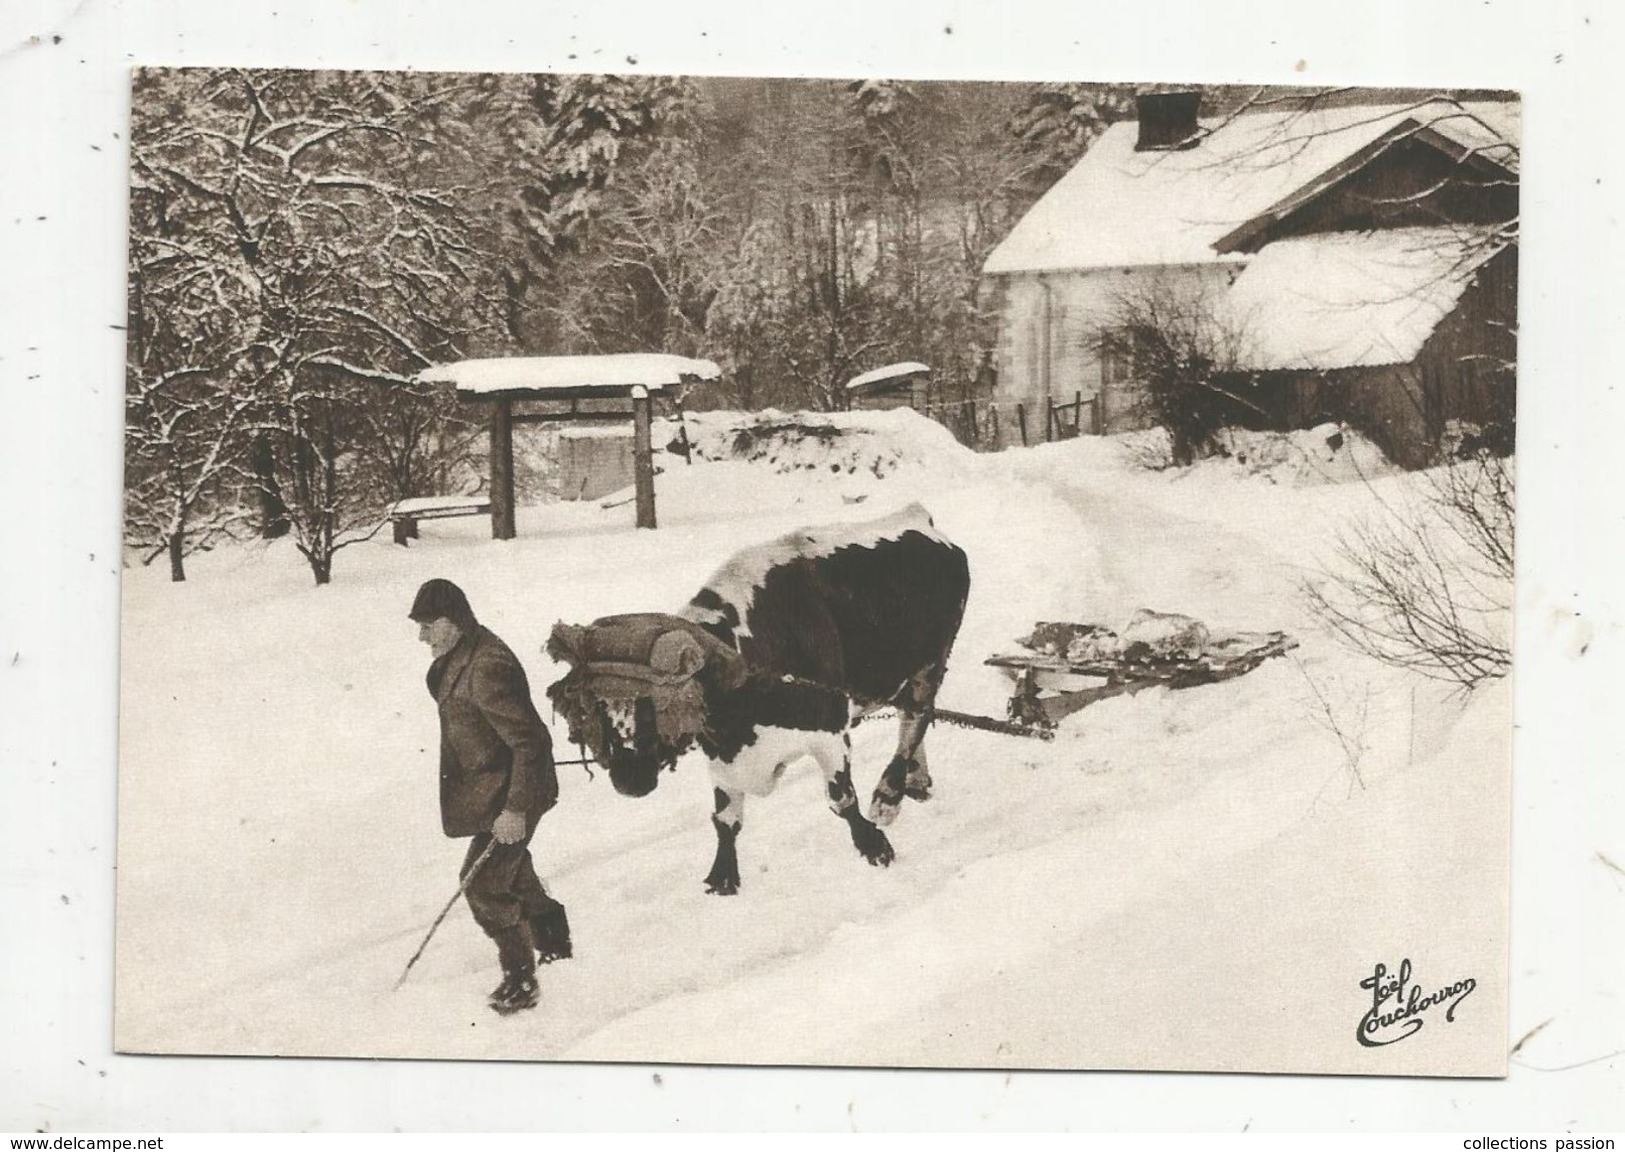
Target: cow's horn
<point x="676" y="653"/>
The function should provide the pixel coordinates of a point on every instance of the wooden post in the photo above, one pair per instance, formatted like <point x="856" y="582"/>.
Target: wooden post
<point x="1021" y="418"/>
<point x="682" y="433"/>
<point x="643" y="465"/>
<point x="502" y="520"/>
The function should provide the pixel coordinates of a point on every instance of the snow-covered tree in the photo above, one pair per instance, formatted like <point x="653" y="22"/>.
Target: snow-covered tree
<point x="953" y="174"/>
<point x="1059" y="120"/>
<point x="183" y="448"/>
<point x="324" y="202"/>
<point x="797" y="311"/>
<point x="187" y="402"/>
<point x="646" y="278"/>
<point x="546" y="149"/>
<point x="856" y="219"/>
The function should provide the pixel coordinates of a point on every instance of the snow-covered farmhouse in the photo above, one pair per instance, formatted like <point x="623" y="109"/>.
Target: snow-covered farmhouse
<point x="1352" y="262"/>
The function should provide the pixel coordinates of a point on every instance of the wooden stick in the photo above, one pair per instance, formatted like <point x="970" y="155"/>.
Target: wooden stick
<point x="468" y="878"/>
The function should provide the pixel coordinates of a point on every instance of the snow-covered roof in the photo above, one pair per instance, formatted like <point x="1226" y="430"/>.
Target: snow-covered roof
<point x="1491" y="128"/>
<point x="889" y="372"/>
<point x="1122" y="208"/>
<point x="1351" y="299"/>
<point x="652" y="370"/>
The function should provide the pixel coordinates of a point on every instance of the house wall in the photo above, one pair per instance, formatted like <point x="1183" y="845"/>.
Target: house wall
<point x="1468" y="364"/>
<point x="1049" y="335"/>
<point x="1387" y="403"/>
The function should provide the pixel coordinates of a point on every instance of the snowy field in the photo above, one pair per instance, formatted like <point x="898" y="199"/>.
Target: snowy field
<point x="1192" y="879"/>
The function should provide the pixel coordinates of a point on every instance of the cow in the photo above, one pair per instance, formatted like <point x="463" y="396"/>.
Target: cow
<point x="769" y="663"/>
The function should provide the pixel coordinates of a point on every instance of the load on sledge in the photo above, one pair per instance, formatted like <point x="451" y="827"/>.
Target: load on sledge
<point x="1065" y="667"/>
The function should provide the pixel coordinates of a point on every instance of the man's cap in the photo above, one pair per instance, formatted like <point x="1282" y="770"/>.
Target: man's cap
<point x="442" y="600"/>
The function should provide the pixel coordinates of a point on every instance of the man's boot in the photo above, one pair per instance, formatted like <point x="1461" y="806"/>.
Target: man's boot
<point x="550" y="931"/>
<point x="518" y="989"/>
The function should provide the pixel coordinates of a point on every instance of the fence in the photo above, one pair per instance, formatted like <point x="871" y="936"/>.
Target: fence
<point x="975" y="422"/>
<point x="1066" y="420"/>
<point x="972" y="421"/>
<point x="1062" y="421"/>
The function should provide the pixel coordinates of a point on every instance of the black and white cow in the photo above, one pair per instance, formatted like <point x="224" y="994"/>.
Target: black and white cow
<point x="785" y="643"/>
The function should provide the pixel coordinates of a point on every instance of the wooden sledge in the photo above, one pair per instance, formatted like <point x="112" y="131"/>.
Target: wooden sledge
<point x="1049" y="686"/>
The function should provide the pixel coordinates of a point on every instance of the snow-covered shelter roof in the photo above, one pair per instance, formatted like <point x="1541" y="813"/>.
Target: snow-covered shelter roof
<point x="1351" y="299"/>
<point x="1120" y="208"/>
<point x="565" y="374"/>
<point x="880" y="376"/>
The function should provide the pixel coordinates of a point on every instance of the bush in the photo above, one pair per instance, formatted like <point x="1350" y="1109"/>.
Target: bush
<point x="1428" y="587"/>
<point x="1173" y="341"/>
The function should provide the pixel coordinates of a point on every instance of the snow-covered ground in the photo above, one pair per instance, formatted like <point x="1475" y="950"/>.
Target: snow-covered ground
<point x="1192" y="879"/>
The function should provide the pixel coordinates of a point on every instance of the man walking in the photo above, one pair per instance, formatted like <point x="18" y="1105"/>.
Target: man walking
<point x="496" y="781"/>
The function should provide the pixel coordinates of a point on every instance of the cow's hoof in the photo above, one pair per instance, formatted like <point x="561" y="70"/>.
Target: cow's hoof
<point x="722" y="885"/>
<point x="872" y="842"/>
<point x="921" y="792"/>
<point x="883" y="856"/>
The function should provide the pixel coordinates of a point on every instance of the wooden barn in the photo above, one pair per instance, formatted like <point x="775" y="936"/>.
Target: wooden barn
<point x="1399" y="333"/>
<point x="1292" y="231"/>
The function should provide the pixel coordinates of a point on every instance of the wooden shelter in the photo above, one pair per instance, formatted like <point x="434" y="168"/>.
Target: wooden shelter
<point x="561" y="389"/>
<point x="905" y="385"/>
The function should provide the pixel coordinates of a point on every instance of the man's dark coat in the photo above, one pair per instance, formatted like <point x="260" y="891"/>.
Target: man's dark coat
<point x="495" y="752"/>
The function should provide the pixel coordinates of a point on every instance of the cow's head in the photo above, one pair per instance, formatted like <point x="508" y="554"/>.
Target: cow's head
<point x="636" y="704"/>
<point x="625" y="738"/>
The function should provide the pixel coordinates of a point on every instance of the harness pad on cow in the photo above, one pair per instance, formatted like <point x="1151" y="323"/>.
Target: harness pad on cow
<point x="621" y="659"/>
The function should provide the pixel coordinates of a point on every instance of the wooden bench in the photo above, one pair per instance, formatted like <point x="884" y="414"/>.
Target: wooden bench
<point x="405" y="514"/>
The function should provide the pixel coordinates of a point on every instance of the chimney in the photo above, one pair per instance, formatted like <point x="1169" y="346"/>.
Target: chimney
<point x="1167" y="120"/>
